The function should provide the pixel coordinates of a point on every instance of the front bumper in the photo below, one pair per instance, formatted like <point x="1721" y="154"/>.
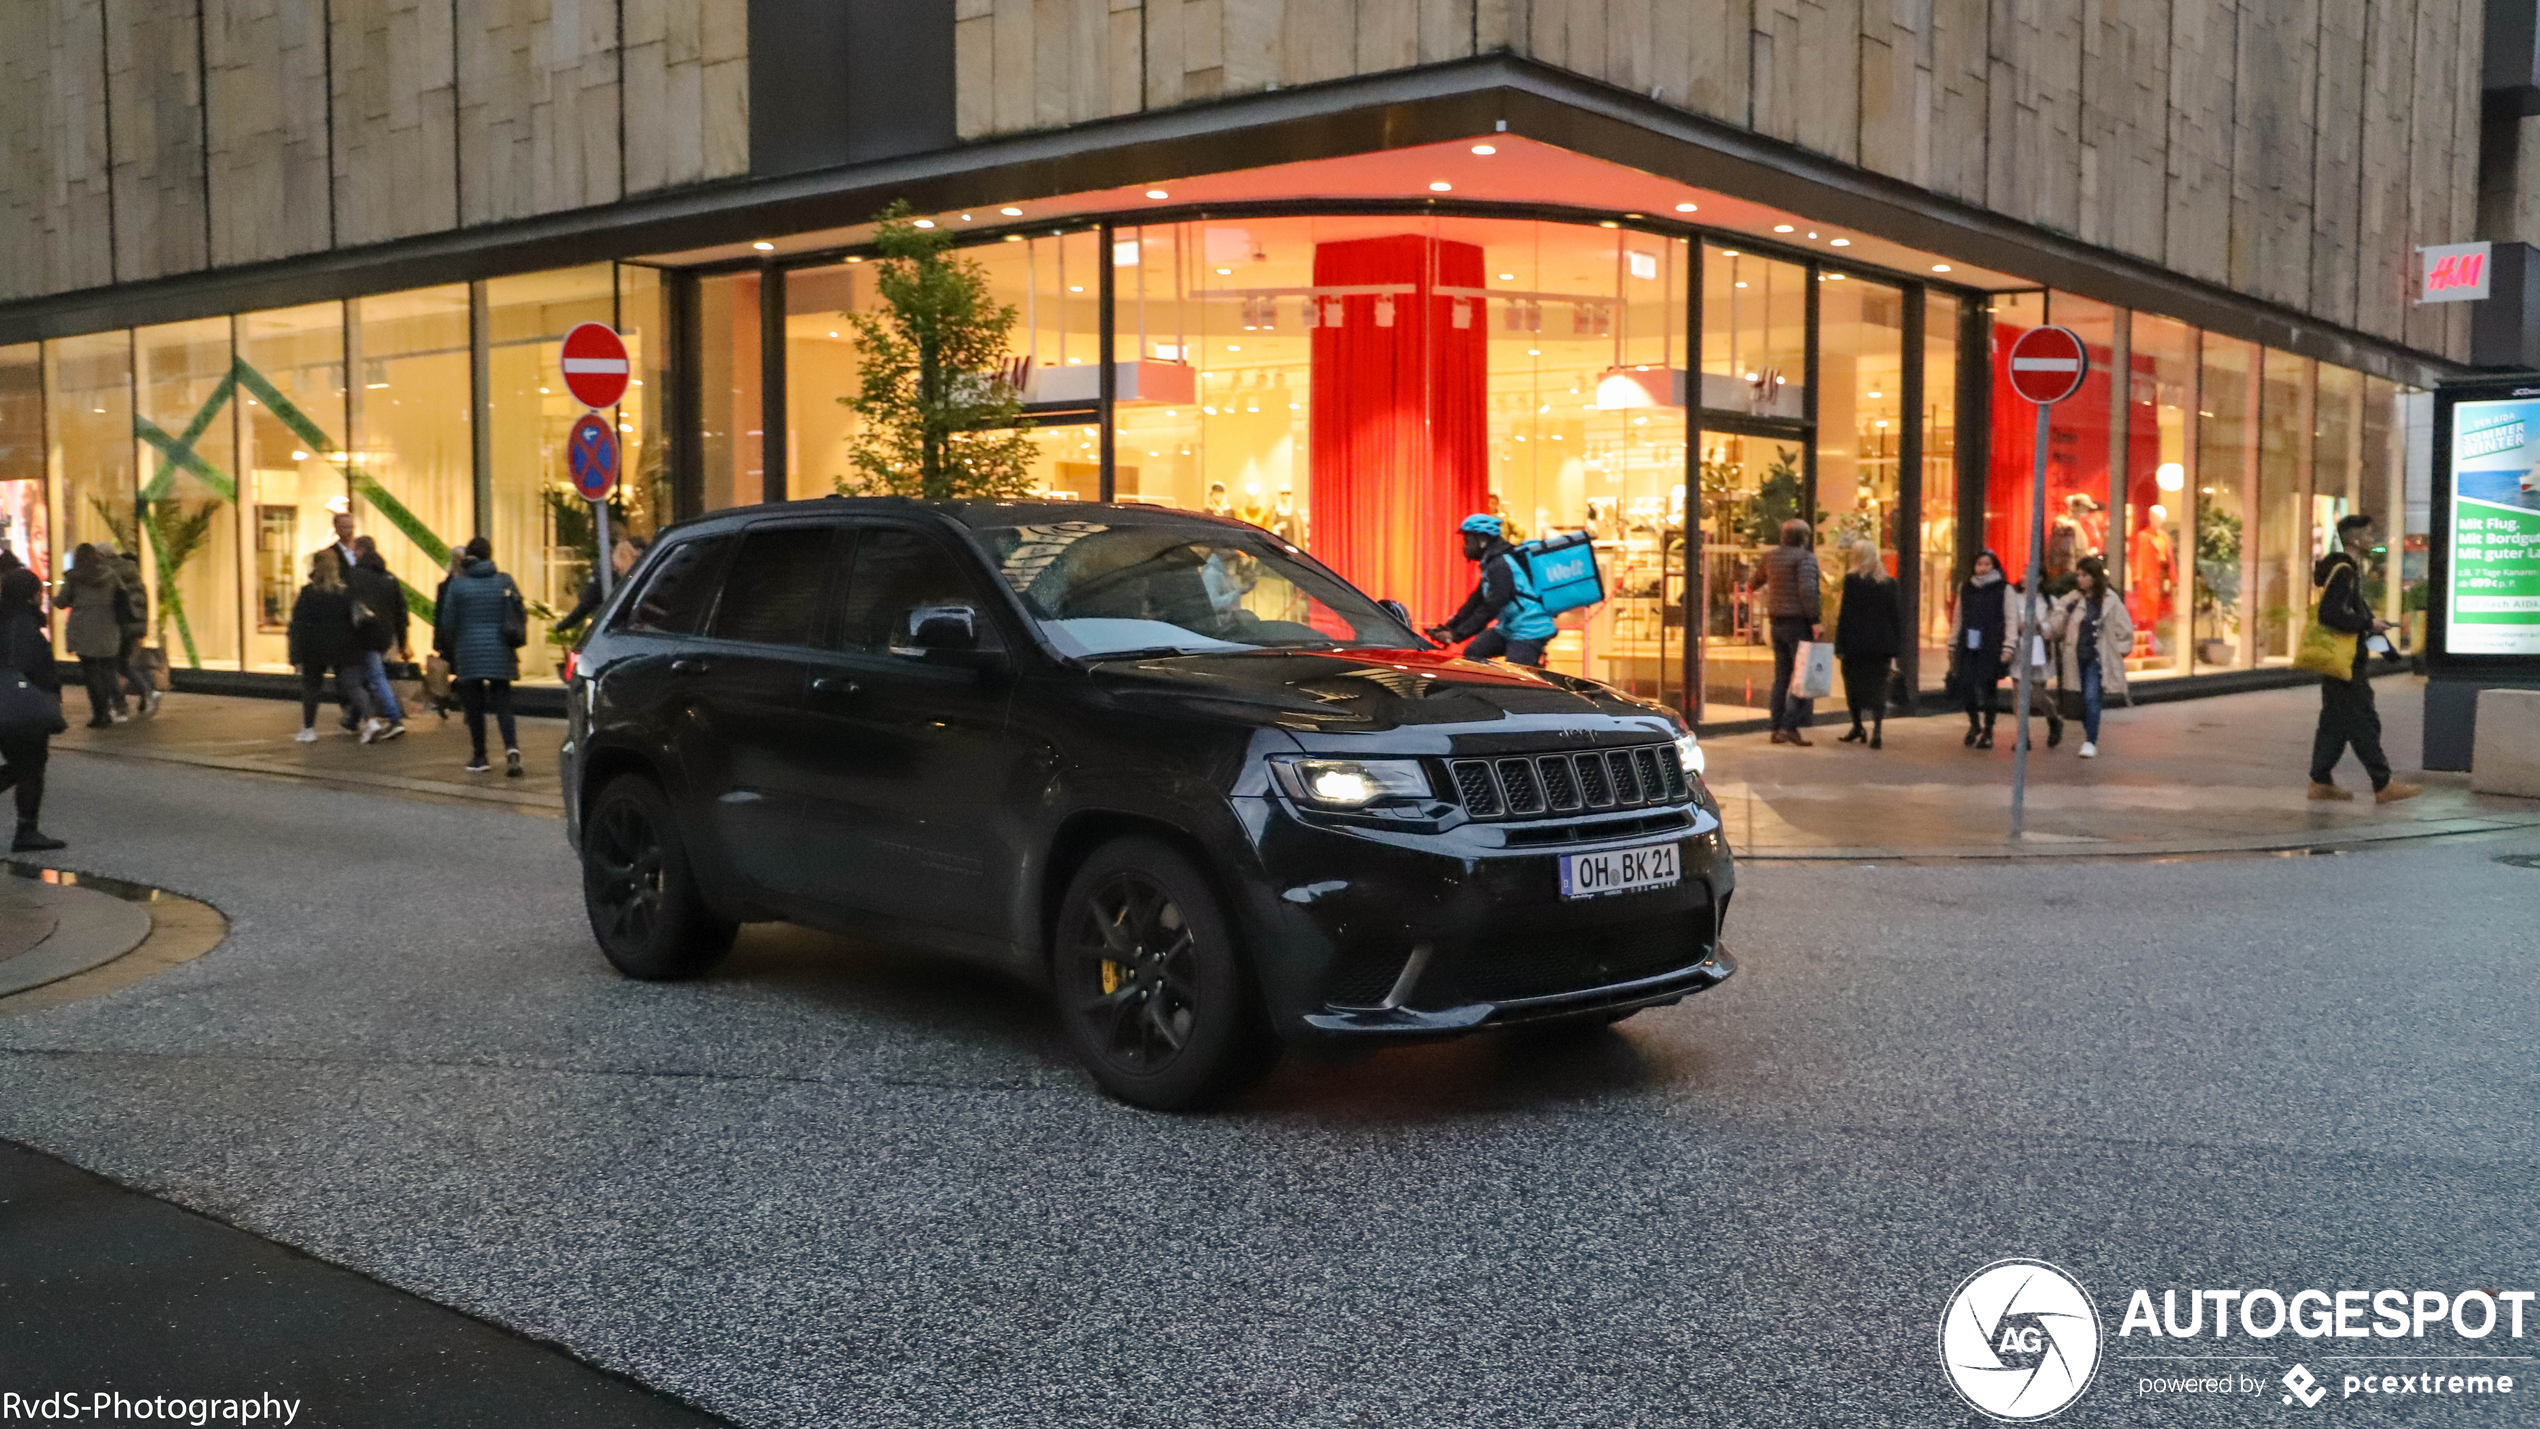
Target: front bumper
<point x="1656" y="991"/>
<point x="1376" y="933"/>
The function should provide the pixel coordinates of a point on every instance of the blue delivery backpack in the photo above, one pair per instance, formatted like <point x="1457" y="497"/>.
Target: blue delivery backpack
<point x="1563" y="571"/>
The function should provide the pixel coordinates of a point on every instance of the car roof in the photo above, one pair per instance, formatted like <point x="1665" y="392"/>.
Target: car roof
<point x="973" y="514"/>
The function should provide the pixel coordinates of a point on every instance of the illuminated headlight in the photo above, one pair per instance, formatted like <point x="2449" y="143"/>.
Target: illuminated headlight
<point x="1689" y="754"/>
<point x="1351" y="784"/>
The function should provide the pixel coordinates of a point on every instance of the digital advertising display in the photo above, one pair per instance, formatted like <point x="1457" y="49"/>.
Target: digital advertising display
<point x="2492" y="598"/>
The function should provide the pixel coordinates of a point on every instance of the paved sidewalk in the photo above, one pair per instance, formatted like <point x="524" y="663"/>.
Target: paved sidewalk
<point x="2225" y="774"/>
<point x="54" y="930"/>
<point x="253" y="736"/>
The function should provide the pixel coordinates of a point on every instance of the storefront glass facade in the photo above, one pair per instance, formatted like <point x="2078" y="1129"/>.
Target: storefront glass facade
<point x="220" y="450"/>
<point x="1355" y="382"/>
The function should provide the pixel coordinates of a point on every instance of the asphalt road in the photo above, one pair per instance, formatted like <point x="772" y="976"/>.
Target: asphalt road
<point x="838" y="1185"/>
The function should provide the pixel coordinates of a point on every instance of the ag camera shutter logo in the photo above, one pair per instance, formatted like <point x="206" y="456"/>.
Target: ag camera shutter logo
<point x="2019" y="1340"/>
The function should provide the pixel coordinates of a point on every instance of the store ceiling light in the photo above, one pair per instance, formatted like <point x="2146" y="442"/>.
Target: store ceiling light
<point x="1781" y="228"/>
<point x="1010" y="238"/>
<point x="1441" y="186"/>
<point x="926" y="223"/>
<point x="1940" y="267"/>
<point x="1011" y="212"/>
<point x="1484" y="149"/>
<point x="1686" y="208"/>
<point x="1157" y="193"/>
<point x="1841" y="242"/>
<point x="1609" y="223"/>
<point x="764" y="247"/>
<point x="1508" y="277"/>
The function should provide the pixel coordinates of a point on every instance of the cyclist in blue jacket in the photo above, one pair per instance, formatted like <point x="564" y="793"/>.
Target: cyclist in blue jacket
<point x="1505" y="600"/>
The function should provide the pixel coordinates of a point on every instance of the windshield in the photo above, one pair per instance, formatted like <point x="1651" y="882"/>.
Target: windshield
<point x="1102" y="589"/>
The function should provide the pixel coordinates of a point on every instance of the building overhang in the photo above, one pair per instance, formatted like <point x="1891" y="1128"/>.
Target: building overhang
<point x="1468" y="101"/>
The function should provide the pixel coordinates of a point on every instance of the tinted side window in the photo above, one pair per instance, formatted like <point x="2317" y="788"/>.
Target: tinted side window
<point x="772" y="591"/>
<point x="680" y="591"/>
<point x="898" y="571"/>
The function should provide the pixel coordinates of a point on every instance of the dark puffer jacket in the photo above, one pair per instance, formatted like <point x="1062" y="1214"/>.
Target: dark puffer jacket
<point x="468" y="627"/>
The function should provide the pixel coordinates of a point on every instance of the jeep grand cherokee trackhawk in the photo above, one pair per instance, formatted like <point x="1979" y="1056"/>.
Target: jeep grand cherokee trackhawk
<point x="1166" y="766"/>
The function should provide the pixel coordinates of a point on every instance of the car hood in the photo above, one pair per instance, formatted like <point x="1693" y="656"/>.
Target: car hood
<point x="1331" y="699"/>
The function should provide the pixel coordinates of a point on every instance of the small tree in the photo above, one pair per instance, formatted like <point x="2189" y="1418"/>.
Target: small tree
<point x="939" y="418"/>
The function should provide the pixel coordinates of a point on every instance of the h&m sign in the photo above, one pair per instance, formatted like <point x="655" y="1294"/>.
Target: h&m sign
<point x="2453" y="273"/>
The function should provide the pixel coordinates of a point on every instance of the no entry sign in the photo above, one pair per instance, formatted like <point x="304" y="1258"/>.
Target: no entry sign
<point x="2047" y="364"/>
<point x="595" y="367"/>
<point x="590" y="454"/>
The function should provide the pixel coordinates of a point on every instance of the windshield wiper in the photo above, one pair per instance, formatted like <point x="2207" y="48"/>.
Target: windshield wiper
<point x="1143" y="652"/>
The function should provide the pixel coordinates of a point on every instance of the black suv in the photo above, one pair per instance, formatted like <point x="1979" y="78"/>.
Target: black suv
<point x="1168" y="766"/>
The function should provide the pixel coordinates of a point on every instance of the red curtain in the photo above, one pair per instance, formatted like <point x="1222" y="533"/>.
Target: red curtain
<point x="1399" y="429"/>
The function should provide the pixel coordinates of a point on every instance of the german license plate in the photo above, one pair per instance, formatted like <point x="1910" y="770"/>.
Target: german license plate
<point x="1621" y="870"/>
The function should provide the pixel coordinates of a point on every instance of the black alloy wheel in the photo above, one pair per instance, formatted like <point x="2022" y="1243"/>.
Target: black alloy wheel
<point x="639" y="891"/>
<point x="1154" y="995"/>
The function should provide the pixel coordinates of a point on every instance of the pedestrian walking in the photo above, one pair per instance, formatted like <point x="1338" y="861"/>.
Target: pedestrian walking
<point x="323" y="642"/>
<point x="1977" y="646"/>
<point x="380" y="623"/>
<point x="2093" y="635"/>
<point x="27" y="724"/>
<point x="622" y="559"/>
<point x="1788" y="582"/>
<point x="2347" y="715"/>
<point x="2037" y="646"/>
<point x="94" y="595"/>
<point x="479" y="626"/>
<point x="1869" y="633"/>
<point x="135" y="624"/>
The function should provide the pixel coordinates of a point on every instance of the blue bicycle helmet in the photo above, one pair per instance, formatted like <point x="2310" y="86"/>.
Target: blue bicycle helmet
<point x="1481" y="523"/>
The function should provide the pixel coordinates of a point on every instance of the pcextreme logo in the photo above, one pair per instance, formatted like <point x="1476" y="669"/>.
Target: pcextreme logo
<point x="2020" y="1340"/>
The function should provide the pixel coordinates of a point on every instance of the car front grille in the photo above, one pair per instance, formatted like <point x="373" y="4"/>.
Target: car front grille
<point x="1530" y="786"/>
<point x="1541" y="964"/>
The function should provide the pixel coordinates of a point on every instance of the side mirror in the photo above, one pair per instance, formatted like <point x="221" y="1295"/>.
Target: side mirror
<point x="1398" y="611"/>
<point x="940" y="630"/>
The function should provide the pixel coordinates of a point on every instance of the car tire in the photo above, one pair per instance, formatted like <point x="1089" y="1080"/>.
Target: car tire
<point x="1158" y="1001"/>
<point x="640" y="890"/>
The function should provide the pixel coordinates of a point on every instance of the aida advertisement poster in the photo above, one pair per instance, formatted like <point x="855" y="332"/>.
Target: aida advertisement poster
<point x="2495" y="590"/>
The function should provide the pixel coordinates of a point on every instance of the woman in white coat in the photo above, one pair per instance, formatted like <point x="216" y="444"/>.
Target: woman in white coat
<point x="2093" y="635"/>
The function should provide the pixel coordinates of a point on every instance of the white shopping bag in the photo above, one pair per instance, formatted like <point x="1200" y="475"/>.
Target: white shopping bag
<point x="1813" y="676"/>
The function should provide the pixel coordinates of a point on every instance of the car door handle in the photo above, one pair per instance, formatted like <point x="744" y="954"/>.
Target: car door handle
<point x="831" y="685"/>
<point x="689" y="666"/>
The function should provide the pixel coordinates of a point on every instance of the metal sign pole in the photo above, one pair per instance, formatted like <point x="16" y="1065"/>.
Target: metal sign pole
<point x="2025" y="640"/>
<point x="608" y="566"/>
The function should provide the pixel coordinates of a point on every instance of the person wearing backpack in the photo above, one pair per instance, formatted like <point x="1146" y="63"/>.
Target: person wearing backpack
<point x="479" y="627"/>
<point x="1504" y="600"/>
<point x="29" y="719"/>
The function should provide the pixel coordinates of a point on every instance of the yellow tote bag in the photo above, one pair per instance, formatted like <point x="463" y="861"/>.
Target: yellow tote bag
<point x="2325" y="651"/>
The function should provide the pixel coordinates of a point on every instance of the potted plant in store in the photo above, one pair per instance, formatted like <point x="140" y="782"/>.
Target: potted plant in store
<point x="939" y="419"/>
